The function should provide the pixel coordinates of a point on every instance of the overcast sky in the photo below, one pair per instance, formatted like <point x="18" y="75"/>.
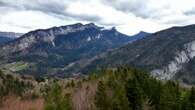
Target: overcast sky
<point x="128" y="16"/>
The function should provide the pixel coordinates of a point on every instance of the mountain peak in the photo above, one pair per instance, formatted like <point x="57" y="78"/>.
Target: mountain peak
<point x="113" y="28"/>
<point x="90" y="24"/>
<point x="80" y="25"/>
<point x="73" y="25"/>
<point x="141" y="32"/>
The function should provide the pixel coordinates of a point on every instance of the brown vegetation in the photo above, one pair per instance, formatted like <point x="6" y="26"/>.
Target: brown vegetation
<point x="16" y="103"/>
<point x="84" y="96"/>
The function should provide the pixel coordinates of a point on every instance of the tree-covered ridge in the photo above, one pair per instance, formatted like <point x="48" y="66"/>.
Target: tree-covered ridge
<point x="131" y="89"/>
<point x="127" y="89"/>
<point x="119" y="89"/>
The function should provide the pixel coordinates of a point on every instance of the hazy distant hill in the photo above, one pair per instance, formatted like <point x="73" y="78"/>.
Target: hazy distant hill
<point x="8" y="36"/>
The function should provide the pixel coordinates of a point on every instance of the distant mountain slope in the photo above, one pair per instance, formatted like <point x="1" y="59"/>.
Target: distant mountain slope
<point x="4" y="39"/>
<point x="168" y="54"/>
<point x="53" y="51"/>
<point x="139" y="36"/>
<point x="8" y="36"/>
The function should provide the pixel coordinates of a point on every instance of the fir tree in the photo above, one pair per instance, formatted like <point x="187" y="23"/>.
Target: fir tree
<point x="192" y="99"/>
<point x="101" y="99"/>
<point x="119" y="100"/>
<point x="55" y="100"/>
<point x="134" y="95"/>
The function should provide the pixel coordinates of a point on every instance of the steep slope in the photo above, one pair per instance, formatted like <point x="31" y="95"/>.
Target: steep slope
<point x="56" y="49"/>
<point x="8" y="36"/>
<point x="168" y="54"/>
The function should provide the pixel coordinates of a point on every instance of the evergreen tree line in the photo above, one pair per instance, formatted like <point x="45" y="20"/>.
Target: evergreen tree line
<point x="117" y="89"/>
<point x="127" y="89"/>
<point x="132" y="89"/>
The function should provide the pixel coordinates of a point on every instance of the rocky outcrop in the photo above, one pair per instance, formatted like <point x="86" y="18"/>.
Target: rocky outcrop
<point x="181" y="58"/>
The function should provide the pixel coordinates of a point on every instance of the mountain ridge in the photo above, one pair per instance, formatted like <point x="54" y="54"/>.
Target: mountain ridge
<point x="165" y="54"/>
<point x="51" y="50"/>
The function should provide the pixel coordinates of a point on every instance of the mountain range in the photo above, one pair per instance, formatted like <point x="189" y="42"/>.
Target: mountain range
<point x="168" y="55"/>
<point x="57" y="50"/>
<point x="78" y="49"/>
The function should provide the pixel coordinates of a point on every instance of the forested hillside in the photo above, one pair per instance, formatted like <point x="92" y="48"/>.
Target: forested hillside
<point x="121" y="89"/>
<point x="167" y="54"/>
<point x="60" y="51"/>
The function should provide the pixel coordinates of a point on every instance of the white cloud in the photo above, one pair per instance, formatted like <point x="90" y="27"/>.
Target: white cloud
<point x="24" y="21"/>
<point x="128" y="16"/>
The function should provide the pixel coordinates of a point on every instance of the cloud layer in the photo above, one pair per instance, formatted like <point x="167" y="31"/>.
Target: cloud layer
<point x="128" y="16"/>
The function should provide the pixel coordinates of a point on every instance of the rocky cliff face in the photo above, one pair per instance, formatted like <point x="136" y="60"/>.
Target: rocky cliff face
<point x="44" y="35"/>
<point x="174" y="66"/>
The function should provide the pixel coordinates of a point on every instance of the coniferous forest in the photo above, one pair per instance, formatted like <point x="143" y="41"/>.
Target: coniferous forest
<point x="120" y="89"/>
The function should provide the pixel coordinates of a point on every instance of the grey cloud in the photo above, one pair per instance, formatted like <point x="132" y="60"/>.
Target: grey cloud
<point x="47" y="7"/>
<point x="54" y="8"/>
<point x="137" y="7"/>
<point x="176" y="22"/>
<point x="110" y="24"/>
<point x="84" y="17"/>
<point x="1" y="3"/>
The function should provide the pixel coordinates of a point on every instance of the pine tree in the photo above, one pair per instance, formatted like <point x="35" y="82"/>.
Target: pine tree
<point x="185" y="103"/>
<point x="55" y="100"/>
<point x="178" y="97"/>
<point x="192" y="99"/>
<point x="155" y="95"/>
<point x="134" y="95"/>
<point x="119" y="100"/>
<point x="1" y="74"/>
<point x="101" y="99"/>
